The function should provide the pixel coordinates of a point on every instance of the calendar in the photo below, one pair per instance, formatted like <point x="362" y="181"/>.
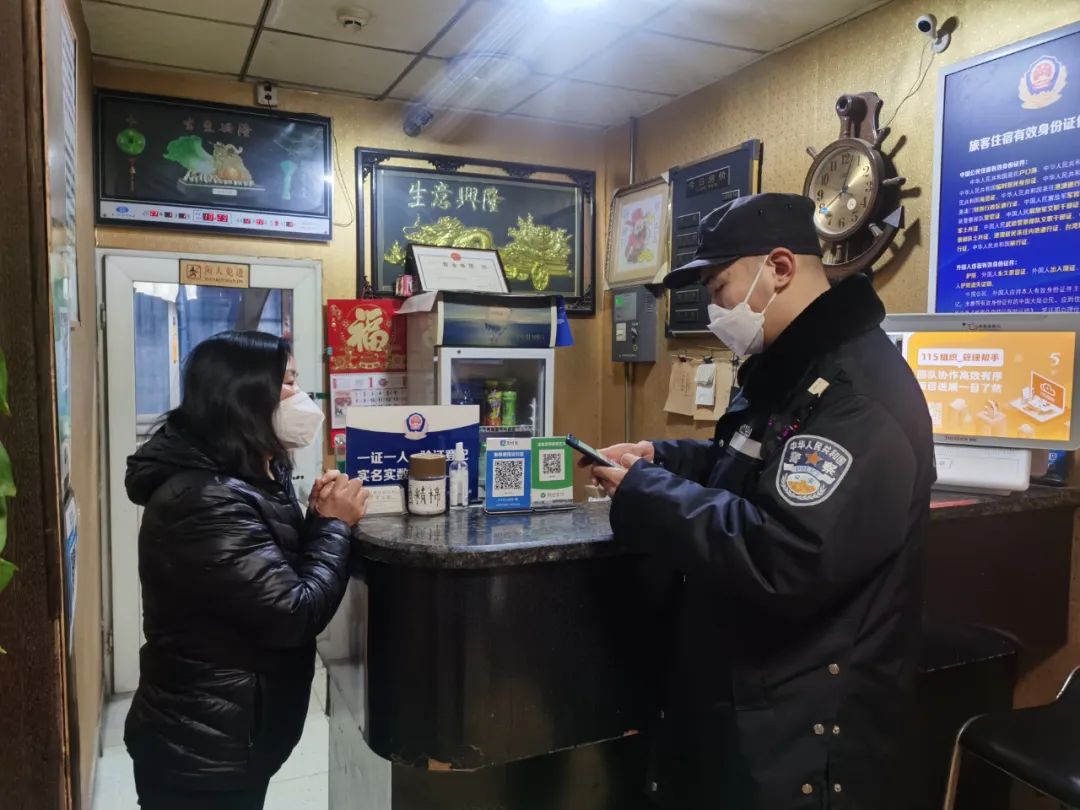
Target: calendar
<point x="364" y="390"/>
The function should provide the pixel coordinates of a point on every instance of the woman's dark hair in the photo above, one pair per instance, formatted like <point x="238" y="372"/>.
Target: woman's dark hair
<point x="232" y="386"/>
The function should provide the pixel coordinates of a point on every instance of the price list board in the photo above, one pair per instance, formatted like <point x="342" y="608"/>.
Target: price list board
<point x="1007" y="196"/>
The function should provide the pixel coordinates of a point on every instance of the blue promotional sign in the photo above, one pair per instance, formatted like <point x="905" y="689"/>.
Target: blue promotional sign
<point x="379" y="440"/>
<point x="508" y="475"/>
<point x="505" y="323"/>
<point x="1007" y="208"/>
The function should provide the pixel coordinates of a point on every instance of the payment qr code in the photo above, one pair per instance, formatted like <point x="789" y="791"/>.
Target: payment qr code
<point x="509" y="478"/>
<point x="551" y="465"/>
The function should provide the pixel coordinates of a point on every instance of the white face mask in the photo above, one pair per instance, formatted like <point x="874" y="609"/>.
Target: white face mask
<point x="297" y="421"/>
<point x="740" y="328"/>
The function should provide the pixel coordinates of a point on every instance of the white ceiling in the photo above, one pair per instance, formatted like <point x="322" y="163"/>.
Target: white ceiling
<point x="587" y="62"/>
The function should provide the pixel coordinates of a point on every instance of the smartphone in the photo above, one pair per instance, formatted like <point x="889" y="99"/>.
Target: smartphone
<point x="590" y="453"/>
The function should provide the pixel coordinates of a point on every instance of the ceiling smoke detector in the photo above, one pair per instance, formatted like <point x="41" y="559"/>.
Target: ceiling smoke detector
<point x="354" y="20"/>
<point x="490" y="71"/>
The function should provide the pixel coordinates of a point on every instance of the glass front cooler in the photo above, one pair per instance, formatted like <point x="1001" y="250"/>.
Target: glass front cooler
<point x="513" y="387"/>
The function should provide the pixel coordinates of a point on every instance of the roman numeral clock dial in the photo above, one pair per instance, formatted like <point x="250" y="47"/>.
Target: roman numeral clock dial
<point x="855" y="190"/>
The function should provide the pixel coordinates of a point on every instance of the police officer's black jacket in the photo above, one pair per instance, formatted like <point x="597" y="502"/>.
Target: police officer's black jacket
<point x="796" y="532"/>
<point x="236" y="585"/>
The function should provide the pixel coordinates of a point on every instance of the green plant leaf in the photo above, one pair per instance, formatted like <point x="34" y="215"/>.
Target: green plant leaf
<point x="4" y="409"/>
<point x="3" y="524"/>
<point x="7" y="571"/>
<point x="7" y="481"/>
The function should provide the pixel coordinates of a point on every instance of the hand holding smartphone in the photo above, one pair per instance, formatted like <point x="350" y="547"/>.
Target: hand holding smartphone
<point x="590" y="453"/>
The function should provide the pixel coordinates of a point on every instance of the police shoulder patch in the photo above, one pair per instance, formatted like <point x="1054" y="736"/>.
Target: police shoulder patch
<point x="811" y="470"/>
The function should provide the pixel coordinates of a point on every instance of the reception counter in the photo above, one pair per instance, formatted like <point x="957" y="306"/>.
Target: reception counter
<point x="482" y="662"/>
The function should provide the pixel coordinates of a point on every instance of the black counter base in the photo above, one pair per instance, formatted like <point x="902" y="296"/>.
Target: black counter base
<point x="602" y="776"/>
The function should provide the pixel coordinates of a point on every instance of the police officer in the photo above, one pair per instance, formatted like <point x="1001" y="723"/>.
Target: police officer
<point x="794" y="536"/>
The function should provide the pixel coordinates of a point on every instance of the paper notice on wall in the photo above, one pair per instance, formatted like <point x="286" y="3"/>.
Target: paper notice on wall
<point x="705" y="391"/>
<point x="681" y="385"/>
<point x="722" y="380"/>
<point x="364" y="390"/>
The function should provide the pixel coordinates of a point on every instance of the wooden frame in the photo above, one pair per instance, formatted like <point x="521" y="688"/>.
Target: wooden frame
<point x="638" y="248"/>
<point x="506" y="180"/>
<point x="227" y="193"/>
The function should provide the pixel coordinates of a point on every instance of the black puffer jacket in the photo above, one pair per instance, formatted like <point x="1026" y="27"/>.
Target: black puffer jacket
<point x="236" y="585"/>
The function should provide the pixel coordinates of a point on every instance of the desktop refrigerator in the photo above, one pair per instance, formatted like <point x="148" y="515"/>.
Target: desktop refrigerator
<point x="512" y="378"/>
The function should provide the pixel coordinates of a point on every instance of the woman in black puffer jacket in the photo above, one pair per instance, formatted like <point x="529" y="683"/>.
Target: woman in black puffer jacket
<point x="236" y="582"/>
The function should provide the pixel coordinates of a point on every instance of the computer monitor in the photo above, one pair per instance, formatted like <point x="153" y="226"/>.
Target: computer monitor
<point x="1006" y="380"/>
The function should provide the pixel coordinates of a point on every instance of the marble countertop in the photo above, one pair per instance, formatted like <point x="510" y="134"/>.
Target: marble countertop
<point x="470" y="538"/>
<point x="954" y="506"/>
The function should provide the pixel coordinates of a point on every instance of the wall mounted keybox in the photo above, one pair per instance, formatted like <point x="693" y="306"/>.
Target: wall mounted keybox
<point x="696" y="189"/>
<point x="634" y="317"/>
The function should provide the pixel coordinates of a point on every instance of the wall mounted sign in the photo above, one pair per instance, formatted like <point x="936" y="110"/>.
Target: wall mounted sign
<point x="541" y="219"/>
<point x="215" y="274"/>
<point x="639" y="237"/>
<point x="174" y="163"/>
<point x="1006" y="201"/>
<point x="696" y="189"/>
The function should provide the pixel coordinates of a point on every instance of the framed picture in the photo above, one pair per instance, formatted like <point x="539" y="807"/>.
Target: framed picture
<point x="639" y="234"/>
<point x="457" y="269"/>
<point x="541" y="219"/>
<point x="173" y="163"/>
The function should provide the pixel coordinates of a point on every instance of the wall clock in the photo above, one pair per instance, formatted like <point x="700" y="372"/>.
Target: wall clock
<point x="856" y="190"/>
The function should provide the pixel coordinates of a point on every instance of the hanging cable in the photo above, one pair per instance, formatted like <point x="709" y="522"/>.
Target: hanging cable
<point x="340" y="178"/>
<point x="918" y="82"/>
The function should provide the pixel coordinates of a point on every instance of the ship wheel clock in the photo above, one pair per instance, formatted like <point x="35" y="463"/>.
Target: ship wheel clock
<point x="856" y="190"/>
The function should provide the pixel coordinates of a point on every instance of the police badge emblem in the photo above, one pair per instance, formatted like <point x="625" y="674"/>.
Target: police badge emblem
<point x="1043" y="83"/>
<point x="811" y="470"/>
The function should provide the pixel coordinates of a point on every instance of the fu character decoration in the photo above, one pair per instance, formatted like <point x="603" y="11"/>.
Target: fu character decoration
<point x="856" y="190"/>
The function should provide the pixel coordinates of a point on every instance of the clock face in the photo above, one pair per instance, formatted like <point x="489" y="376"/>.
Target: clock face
<point x="843" y="184"/>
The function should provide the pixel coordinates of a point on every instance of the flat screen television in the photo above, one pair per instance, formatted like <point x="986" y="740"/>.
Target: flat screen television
<point x="996" y="380"/>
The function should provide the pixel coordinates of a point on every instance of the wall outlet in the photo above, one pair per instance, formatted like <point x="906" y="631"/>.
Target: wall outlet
<point x="266" y="94"/>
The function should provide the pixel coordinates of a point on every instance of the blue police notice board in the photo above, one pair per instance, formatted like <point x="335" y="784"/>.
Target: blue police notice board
<point x="1007" y="198"/>
<point x="379" y="440"/>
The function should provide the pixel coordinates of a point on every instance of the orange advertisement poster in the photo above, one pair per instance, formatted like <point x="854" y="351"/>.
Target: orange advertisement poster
<point x="1009" y="385"/>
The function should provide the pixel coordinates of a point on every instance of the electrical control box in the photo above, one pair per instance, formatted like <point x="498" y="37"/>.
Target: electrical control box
<point x="634" y="320"/>
<point x="697" y="189"/>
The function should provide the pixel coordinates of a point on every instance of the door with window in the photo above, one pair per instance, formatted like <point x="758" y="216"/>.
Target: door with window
<point x="152" y="321"/>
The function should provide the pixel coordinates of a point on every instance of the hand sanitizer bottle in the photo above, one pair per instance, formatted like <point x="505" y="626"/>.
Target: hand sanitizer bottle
<point x="459" y="478"/>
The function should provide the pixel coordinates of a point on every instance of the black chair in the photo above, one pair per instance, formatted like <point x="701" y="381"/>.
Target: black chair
<point x="966" y="670"/>
<point x="1039" y="747"/>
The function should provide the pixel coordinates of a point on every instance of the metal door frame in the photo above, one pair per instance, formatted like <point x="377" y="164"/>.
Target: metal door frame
<point x="121" y="597"/>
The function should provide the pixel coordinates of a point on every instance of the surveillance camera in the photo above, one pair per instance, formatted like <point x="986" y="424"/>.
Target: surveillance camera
<point x="927" y="25"/>
<point x="417" y="118"/>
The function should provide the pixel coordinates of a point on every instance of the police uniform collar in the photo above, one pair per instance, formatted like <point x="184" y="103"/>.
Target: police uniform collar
<point x="844" y="312"/>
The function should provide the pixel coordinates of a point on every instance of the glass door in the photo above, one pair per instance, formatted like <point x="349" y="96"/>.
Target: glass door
<point x="513" y="387"/>
<point x="152" y="323"/>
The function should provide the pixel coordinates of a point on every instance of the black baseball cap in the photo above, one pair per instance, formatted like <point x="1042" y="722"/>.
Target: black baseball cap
<point x="750" y="226"/>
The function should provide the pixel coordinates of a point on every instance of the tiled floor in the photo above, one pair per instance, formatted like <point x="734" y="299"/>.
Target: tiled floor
<point x="300" y="785"/>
